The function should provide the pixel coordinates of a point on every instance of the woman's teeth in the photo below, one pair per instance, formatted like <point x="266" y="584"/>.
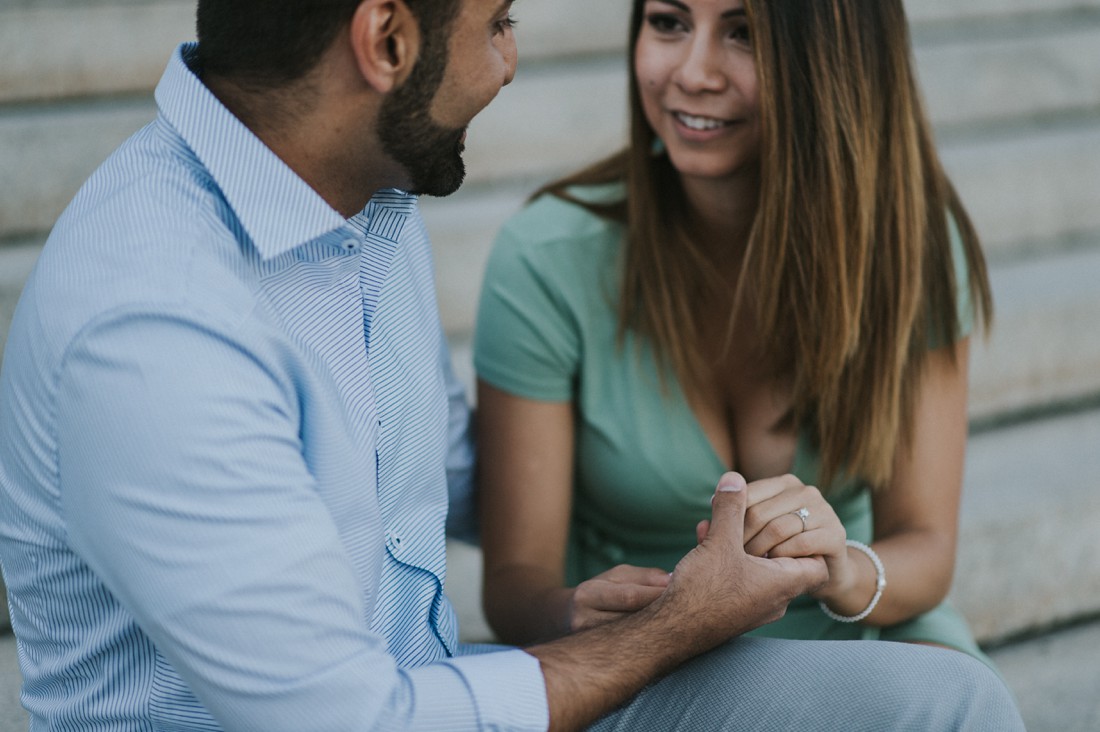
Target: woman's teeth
<point x="701" y="123"/>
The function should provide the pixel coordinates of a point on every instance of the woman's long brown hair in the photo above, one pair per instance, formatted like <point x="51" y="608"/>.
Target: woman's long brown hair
<point x="849" y="269"/>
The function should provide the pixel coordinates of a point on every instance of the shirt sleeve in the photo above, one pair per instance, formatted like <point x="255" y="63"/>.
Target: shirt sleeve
<point x="527" y="337"/>
<point x="187" y="493"/>
<point x="964" y="302"/>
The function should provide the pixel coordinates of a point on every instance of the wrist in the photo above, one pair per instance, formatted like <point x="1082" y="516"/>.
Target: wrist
<point x="857" y="598"/>
<point x="850" y="580"/>
<point x="685" y="628"/>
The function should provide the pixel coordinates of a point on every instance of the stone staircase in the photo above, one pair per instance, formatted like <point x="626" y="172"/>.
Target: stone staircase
<point x="1013" y="87"/>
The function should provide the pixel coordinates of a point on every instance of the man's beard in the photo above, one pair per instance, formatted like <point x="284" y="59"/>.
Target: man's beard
<point x="430" y="153"/>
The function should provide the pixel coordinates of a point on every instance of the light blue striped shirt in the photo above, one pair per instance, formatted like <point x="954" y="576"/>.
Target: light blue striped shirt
<point x="226" y="421"/>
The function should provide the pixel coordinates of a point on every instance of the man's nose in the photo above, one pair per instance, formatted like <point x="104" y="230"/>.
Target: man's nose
<point x="511" y="61"/>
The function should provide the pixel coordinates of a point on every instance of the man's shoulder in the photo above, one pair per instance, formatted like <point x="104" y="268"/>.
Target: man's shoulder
<point x="141" y="234"/>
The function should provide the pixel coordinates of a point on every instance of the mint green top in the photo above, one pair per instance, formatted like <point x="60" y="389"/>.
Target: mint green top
<point x="645" y="470"/>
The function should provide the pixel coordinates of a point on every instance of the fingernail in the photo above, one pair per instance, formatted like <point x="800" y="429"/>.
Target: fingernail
<point x="731" y="483"/>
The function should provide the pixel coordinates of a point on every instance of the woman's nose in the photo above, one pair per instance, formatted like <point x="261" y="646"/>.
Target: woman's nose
<point x="701" y="68"/>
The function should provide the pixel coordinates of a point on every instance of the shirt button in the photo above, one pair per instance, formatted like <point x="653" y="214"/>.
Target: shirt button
<point x="351" y="245"/>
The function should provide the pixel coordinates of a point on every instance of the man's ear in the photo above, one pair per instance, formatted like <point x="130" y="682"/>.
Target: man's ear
<point x="385" y="39"/>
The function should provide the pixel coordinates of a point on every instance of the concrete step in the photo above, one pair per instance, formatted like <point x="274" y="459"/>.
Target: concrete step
<point x="982" y="74"/>
<point x="1054" y="677"/>
<point x="1028" y="557"/>
<point x="1045" y="347"/>
<point x="13" y="718"/>
<point x="46" y="154"/>
<point x="1028" y="187"/>
<point x="77" y="49"/>
<point x="62" y="48"/>
<point x="1038" y="81"/>
<point x="952" y="11"/>
<point x="15" y="266"/>
<point x="1021" y="184"/>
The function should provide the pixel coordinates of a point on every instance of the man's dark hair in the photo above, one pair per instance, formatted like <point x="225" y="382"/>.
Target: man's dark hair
<point x="269" y="43"/>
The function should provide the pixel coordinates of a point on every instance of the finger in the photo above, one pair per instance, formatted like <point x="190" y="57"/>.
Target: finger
<point x="813" y="543"/>
<point x="767" y="488"/>
<point x="629" y="574"/>
<point x="727" y="520"/>
<point x="777" y="531"/>
<point x="797" y="496"/>
<point x="701" y="530"/>
<point x="614" y="597"/>
<point x="634" y="575"/>
<point x="809" y="573"/>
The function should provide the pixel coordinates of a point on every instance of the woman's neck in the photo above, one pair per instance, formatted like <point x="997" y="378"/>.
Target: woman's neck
<point x="722" y="214"/>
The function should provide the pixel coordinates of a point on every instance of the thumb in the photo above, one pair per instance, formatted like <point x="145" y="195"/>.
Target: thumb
<point x="728" y="509"/>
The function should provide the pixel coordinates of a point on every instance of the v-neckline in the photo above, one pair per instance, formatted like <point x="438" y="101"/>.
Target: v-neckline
<point x="798" y="462"/>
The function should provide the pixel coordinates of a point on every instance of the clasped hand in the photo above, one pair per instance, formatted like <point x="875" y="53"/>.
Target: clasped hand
<point x="773" y="528"/>
<point x="749" y="564"/>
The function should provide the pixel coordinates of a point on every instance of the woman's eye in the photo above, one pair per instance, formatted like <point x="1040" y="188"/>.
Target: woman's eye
<point x="664" y="23"/>
<point x="741" y="33"/>
<point x="506" y="24"/>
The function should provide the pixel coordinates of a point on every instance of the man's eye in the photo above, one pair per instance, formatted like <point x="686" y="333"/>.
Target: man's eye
<point x="506" y="24"/>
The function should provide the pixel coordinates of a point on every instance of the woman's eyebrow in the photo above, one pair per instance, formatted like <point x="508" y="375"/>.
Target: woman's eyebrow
<point x="735" y="13"/>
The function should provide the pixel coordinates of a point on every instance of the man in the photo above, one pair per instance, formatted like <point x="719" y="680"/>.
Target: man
<point x="226" y="422"/>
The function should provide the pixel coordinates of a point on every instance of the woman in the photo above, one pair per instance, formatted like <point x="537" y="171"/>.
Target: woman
<point x="776" y="277"/>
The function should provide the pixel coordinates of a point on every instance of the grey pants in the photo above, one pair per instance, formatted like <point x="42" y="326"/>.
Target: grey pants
<point x="810" y="686"/>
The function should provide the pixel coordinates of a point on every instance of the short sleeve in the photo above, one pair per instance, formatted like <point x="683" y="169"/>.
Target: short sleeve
<point x="964" y="301"/>
<point x="527" y="340"/>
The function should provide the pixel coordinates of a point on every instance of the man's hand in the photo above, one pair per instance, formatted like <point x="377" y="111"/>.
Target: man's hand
<point x="716" y="592"/>
<point x="721" y="590"/>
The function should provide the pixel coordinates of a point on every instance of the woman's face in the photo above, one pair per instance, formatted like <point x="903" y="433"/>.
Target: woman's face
<point x="697" y="79"/>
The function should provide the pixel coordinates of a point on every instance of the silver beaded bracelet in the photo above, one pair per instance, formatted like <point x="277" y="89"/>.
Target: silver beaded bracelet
<point x="880" y="585"/>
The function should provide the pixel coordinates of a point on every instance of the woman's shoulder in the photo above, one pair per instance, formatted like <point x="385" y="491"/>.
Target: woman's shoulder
<point x="558" y="247"/>
<point x="562" y="225"/>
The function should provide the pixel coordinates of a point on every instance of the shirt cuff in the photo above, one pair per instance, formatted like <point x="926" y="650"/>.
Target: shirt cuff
<point x="508" y="689"/>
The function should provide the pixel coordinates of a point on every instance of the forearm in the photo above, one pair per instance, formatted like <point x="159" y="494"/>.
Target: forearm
<point x="590" y="673"/>
<point x="526" y="604"/>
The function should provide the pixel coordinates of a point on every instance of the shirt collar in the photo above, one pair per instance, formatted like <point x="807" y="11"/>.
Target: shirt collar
<point x="278" y="209"/>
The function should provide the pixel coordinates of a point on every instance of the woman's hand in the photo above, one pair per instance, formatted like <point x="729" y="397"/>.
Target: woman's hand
<point x="773" y="528"/>
<point x="617" y="592"/>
